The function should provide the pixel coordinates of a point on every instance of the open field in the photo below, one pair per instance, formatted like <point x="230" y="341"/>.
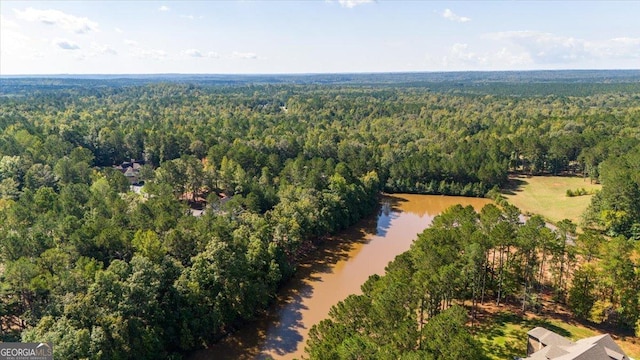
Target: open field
<point x="546" y="195"/>
<point x="503" y="334"/>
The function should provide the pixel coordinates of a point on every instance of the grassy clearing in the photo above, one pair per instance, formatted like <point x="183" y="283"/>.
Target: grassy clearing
<point x="503" y="332"/>
<point x="504" y="335"/>
<point x="547" y="196"/>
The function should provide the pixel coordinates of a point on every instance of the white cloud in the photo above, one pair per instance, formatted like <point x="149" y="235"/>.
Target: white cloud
<point x="461" y="56"/>
<point x="461" y="52"/>
<point x="199" y="54"/>
<point x="118" y="30"/>
<point x="154" y="54"/>
<point x="450" y="15"/>
<point x="509" y="58"/>
<point x="66" y="44"/>
<point x="81" y="56"/>
<point x="103" y="49"/>
<point x="191" y="17"/>
<point x="109" y="51"/>
<point x="533" y="49"/>
<point x="548" y="48"/>
<point x="150" y="54"/>
<point x="164" y="8"/>
<point x="7" y="24"/>
<point x="193" y="53"/>
<point x="16" y="47"/>
<point x="244" y="55"/>
<point x="144" y="53"/>
<point x="12" y="41"/>
<point x="80" y="25"/>
<point x="140" y="52"/>
<point x="353" y="3"/>
<point x="626" y="41"/>
<point x="621" y="48"/>
<point x="96" y="50"/>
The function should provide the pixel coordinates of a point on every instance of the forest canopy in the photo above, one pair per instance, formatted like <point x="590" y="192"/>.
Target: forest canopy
<point x="106" y="272"/>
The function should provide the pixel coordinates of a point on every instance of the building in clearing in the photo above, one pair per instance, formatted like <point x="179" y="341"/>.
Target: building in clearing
<point x="131" y="170"/>
<point x="544" y="344"/>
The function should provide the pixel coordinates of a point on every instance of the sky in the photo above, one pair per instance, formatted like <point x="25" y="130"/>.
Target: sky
<point x="315" y="36"/>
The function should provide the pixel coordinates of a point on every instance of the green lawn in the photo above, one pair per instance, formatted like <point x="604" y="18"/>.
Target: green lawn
<point x="546" y="195"/>
<point x="504" y="335"/>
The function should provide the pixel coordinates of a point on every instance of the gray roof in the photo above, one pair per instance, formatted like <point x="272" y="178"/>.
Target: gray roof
<point x="556" y="347"/>
<point x="543" y="354"/>
<point x="604" y="340"/>
<point x="585" y="352"/>
<point x="548" y="337"/>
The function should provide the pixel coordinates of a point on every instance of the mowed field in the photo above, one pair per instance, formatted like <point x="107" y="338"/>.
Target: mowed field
<point x="547" y="196"/>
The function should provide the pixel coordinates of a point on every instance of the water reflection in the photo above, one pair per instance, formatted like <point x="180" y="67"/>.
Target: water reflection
<point x="336" y="269"/>
<point x="384" y="217"/>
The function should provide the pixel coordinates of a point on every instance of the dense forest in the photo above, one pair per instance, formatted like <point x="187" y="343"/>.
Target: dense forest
<point x="106" y="272"/>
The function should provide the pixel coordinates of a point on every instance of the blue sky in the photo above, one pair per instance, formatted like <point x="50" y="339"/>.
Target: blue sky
<point x="315" y="36"/>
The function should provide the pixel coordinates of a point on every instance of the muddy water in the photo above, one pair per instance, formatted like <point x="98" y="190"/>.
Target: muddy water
<point x="335" y="271"/>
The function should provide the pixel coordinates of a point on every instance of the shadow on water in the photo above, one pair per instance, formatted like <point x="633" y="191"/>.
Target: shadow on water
<point x="287" y="326"/>
<point x="255" y="340"/>
<point x="389" y="206"/>
<point x="335" y="268"/>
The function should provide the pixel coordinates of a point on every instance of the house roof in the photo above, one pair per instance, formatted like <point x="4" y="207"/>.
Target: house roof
<point x="130" y="172"/>
<point x="548" y="337"/>
<point x="604" y="340"/>
<point x="556" y="347"/>
<point x="543" y="354"/>
<point x="585" y="352"/>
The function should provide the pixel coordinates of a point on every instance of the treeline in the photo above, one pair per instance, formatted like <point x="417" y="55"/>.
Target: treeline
<point x="467" y="258"/>
<point x="616" y="209"/>
<point x="511" y="83"/>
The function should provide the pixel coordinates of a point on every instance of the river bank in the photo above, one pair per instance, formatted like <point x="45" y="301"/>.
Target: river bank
<point x="337" y="269"/>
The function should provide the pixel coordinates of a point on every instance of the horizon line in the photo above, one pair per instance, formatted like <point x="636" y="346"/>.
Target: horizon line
<point x="315" y="73"/>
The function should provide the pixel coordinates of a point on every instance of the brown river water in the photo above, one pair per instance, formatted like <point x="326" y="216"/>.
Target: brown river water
<point x="334" y="271"/>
